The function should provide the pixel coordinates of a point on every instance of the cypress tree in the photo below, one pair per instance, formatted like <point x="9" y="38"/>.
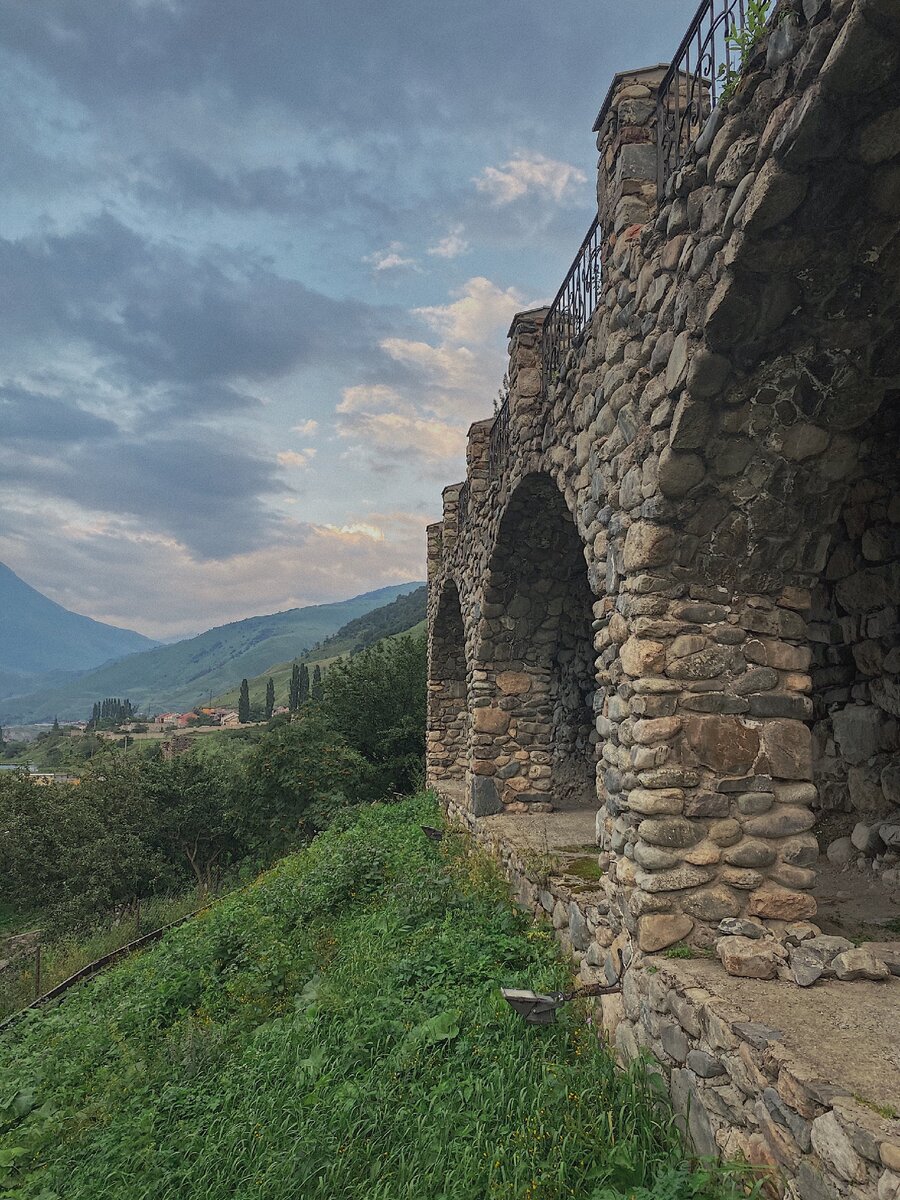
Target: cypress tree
<point x="304" y="683"/>
<point x="317" y="690"/>
<point x="270" y="698"/>
<point x="244" y="702"/>
<point x="294" y="689"/>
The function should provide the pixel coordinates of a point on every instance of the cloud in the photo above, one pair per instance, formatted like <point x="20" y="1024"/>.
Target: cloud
<point x="482" y="308"/>
<point x="296" y="458"/>
<point x="530" y="174"/>
<point x="305" y="428"/>
<point x="451" y="246"/>
<point x="114" y="572"/>
<point x="390" y="259"/>
<point x="450" y="366"/>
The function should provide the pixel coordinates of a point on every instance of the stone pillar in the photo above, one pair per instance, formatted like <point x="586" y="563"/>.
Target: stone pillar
<point x="450" y="523"/>
<point x="526" y="409"/>
<point x="626" y="140"/>
<point x="434" y="554"/>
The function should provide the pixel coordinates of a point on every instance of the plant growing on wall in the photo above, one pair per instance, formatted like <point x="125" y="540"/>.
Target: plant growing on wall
<point x="740" y="43"/>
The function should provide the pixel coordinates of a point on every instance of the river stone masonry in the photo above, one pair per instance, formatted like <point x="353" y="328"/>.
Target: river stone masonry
<point x="668" y="586"/>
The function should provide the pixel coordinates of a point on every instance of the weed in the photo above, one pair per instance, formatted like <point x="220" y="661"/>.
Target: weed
<point x="679" y="951"/>
<point x="884" y="1110"/>
<point x="740" y="44"/>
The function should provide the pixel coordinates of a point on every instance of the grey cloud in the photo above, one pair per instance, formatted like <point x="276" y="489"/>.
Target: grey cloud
<point x="156" y="315"/>
<point x="198" y="485"/>
<point x="30" y="417"/>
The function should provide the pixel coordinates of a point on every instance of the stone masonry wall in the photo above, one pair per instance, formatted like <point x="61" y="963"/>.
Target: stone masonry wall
<point x="700" y="445"/>
<point x="739" y="1090"/>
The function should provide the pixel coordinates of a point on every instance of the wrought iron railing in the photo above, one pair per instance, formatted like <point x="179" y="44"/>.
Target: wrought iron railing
<point x="704" y="66"/>
<point x="570" y="313"/>
<point x="498" y="447"/>
<point x="462" y="506"/>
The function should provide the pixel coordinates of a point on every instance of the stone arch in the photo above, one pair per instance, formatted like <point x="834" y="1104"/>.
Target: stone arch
<point x="854" y="636"/>
<point x="534" y="739"/>
<point x="448" y="721"/>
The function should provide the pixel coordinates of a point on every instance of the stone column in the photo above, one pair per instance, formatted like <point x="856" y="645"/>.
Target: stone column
<point x="626" y="140"/>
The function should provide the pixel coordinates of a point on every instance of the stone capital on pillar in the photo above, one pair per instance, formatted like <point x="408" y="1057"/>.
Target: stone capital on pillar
<point x="626" y="139"/>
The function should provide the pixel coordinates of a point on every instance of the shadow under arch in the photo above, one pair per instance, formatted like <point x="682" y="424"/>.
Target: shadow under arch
<point x="448" y="718"/>
<point x="534" y="733"/>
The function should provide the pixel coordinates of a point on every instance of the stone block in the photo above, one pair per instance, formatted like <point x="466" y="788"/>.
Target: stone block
<point x="750" y="958"/>
<point x="656" y="931"/>
<point x="692" y="1115"/>
<point x="780" y="903"/>
<point x="484" y="798"/>
<point x="833" y="1146"/>
<point x="787" y="747"/>
<point x="722" y="743"/>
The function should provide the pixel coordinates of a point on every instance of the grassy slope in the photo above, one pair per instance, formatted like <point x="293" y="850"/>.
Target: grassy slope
<point x="399" y="618"/>
<point x="183" y="674"/>
<point x="334" y="1030"/>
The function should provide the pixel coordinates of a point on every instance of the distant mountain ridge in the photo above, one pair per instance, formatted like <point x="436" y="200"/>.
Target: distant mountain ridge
<point x="38" y="636"/>
<point x="184" y="674"/>
<point x="405" y="615"/>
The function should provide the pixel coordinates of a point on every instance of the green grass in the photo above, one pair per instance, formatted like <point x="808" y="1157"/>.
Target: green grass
<point x="335" y="1032"/>
<point x="63" y="956"/>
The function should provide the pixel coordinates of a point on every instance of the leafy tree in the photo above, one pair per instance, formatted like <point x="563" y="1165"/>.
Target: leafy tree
<point x="317" y="688"/>
<point x="294" y="689"/>
<point x="244" y="702"/>
<point x="376" y="699"/>
<point x="270" y="698"/>
<point x="304" y="683"/>
<point x="195" y="825"/>
<point x="296" y="777"/>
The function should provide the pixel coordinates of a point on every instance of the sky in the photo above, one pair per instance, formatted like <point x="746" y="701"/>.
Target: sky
<point x="259" y="258"/>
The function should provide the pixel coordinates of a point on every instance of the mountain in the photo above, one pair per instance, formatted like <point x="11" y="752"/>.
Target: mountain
<point x="405" y="615"/>
<point x="38" y="636"/>
<point x="186" y="673"/>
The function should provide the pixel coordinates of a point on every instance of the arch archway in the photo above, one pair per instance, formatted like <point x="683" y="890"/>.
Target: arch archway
<point x="533" y="719"/>
<point x="448" y="722"/>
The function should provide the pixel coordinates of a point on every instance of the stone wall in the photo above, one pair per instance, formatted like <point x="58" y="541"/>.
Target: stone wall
<point x="740" y="1088"/>
<point x="711" y="444"/>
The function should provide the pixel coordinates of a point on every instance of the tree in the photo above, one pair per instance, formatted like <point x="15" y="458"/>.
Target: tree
<point x="295" y="778"/>
<point x="244" y="702"/>
<point x="294" y="689"/>
<point x="317" y="688"/>
<point x="270" y="698"/>
<point x="376" y="699"/>
<point x="304" y="683"/>
<point x="191" y="796"/>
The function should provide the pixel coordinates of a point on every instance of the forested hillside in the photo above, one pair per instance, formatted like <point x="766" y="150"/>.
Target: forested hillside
<point x="187" y="673"/>
<point x="405" y="615"/>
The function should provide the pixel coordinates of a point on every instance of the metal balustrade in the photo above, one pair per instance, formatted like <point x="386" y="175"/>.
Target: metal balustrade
<point x="570" y="313"/>
<point x="498" y="447"/>
<point x="704" y="66"/>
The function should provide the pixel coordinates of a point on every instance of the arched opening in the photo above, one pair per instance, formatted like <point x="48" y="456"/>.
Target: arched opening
<point x="854" y="630"/>
<point x="534" y="735"/>
<point x="448" y="751"/>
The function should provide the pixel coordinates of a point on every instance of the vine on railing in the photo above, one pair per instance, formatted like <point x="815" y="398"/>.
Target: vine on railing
<point x="570" y="313"/>
<point x="703" y="72"/>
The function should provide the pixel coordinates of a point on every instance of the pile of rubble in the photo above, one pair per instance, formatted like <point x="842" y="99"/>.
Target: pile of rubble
<point x="800" y="953"/>
<point x="875" y="845"/>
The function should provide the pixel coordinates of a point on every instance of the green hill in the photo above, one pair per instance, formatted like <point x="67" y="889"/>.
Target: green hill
<point x="405" y="615"/>
<point x="336" y="1030"/>
<point x="186" y="673"/>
